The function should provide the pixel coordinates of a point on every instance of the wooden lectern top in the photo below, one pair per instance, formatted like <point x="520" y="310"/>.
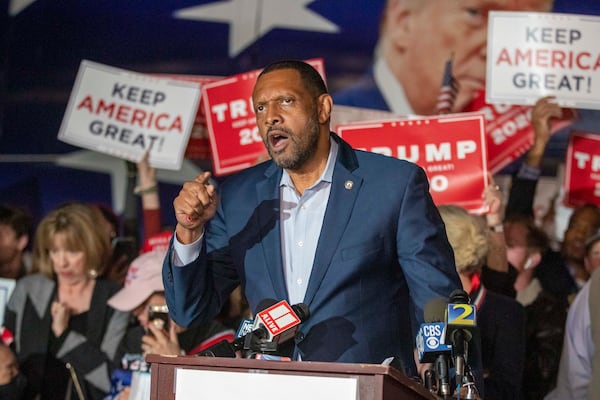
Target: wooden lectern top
<point x="375" y="381"/>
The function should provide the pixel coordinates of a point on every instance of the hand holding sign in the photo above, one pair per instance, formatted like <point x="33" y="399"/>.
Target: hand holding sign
<point x="195" y="205"/>
<point x="543" y="112"/>
<point x="126" y="114"/>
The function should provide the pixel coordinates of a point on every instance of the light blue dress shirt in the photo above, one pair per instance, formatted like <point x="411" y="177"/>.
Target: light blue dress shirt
<point x="301" y="223"/>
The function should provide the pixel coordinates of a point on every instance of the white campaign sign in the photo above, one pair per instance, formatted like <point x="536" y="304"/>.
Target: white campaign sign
<point x="198" y="384"/>
<point x="531" y="55"/>
<point x="124" y="113"/>
<point x="6" y="288"/>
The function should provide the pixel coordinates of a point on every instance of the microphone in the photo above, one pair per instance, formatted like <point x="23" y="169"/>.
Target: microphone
<point x="245" y="327"/>
<point x="430" y="338"/>
<point x="219" y="349"/>
<point x="255" y="340"/>
<point x="275" y="324"/>
<point x="281" y="321"/>
<point x="431" y="347"/>
<point x="228" y="349"/>
<point x="461" y="321"/>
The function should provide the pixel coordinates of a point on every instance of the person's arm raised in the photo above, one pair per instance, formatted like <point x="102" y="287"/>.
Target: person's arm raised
<point x="545" y="110"/>
<point x="496" y="258"/>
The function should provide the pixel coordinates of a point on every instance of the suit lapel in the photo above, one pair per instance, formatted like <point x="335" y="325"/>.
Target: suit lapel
<point x="267" y="190"/>
<point x="344" y="191"/>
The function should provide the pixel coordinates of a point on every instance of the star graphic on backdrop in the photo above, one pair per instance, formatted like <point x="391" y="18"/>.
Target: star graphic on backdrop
<point x="249" y="20"/>
<point x="16" y="6"/>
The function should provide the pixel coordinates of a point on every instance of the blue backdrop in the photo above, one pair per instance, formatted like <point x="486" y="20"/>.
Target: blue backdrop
<point x="44" y="41"/>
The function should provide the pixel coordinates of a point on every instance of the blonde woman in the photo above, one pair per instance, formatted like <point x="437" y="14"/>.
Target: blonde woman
<point x="500" y="319"/>
<point x="66" y="336"/>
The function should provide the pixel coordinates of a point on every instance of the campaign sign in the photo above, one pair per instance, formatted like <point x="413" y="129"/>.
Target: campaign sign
<point x="509" y="133"/>
<point x="531" y="55"/>
<point x="198" y="147"/>
<point x="6" y="288"/>
<point x="582" y="170"/>
<point x="124" y="114"/>
<point x="450" y="148"/>
<point x="234" y="138"/>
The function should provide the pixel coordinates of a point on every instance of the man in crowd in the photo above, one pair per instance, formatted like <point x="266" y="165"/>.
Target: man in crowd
<point x="579" y="371"/>
<point x="15" y="227"/>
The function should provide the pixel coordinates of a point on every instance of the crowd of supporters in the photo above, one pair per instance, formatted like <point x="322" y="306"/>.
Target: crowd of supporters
<point x="83" y="282"/>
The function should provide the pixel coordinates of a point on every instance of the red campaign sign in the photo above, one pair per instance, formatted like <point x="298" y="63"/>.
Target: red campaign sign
<point x="582" y="170"/>
<point x="450" y="148"/>
<point x="198" y="147"/>
<point x="509" y="131"/>
<point x="234" y="138"/>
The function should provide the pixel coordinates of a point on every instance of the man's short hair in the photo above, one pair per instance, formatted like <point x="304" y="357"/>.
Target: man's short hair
<point x="308" y="74"/>
<point x="19" y="219"/>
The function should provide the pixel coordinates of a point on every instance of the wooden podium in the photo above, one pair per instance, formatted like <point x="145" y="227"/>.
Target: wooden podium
<point x="374" y="382"/>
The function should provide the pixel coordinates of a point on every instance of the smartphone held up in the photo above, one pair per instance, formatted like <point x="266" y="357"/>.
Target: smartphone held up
<point x="158" y="315"/>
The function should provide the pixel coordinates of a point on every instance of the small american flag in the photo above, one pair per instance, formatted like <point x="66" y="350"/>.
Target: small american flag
<point x="448" y="91"/>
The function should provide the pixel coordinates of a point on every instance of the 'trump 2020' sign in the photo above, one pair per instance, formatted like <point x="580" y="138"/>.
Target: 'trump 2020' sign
<point x="451" y="149"/>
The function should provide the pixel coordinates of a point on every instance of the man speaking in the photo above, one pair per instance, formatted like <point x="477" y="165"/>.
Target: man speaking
<point x="353" y="235"/>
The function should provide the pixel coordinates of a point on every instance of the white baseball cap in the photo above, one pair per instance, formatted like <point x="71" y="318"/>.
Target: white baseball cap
<point x="144" y="277"/>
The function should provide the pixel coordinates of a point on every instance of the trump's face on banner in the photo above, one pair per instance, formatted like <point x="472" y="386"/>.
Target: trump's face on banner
<point x="419" y="36"/>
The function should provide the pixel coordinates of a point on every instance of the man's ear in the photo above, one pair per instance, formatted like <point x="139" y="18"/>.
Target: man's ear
<point x="22" y="242"/>
<point x="325" y="105"/>
<point x="397" y="22"/>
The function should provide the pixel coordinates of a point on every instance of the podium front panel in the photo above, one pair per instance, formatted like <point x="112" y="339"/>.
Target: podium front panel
<point x="374" y="382"/>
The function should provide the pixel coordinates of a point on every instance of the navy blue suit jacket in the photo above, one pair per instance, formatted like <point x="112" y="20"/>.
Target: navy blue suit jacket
<point x="382" y="254"/>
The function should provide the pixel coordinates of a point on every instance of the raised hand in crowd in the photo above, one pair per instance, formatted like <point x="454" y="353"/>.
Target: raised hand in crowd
<point x="147" y="189"/>
<point x="544" y="110"/>
<point x="496" y="257"/>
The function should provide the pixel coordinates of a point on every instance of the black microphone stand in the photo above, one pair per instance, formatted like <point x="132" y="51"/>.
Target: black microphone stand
<point x="254" y="343"/>
<point x="442" y="370"/>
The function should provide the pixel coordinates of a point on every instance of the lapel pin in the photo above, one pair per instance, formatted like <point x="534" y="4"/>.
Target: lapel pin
<point x="348" y="185"/>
